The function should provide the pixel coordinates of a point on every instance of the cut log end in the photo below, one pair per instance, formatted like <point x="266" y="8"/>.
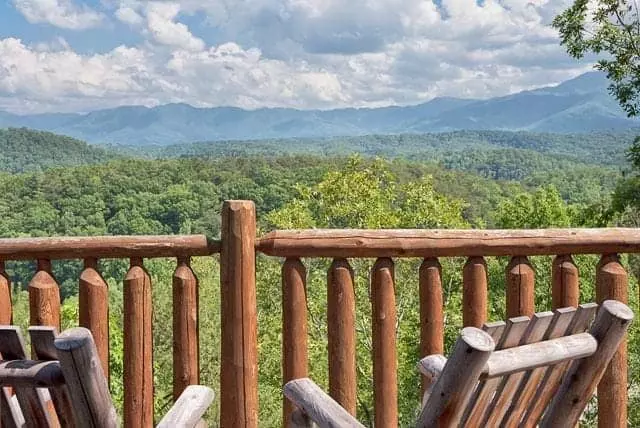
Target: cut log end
<point x="477" y="339"/>
<point x="73" y="338"/>
<point x="618" y="310"/>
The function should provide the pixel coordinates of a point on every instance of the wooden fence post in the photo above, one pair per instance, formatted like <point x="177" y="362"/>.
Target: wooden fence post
<point x="341" y="320"/>
<point x="239" y="338"/>
<point x="612" y="284"/>
<point x="294" y="327"/>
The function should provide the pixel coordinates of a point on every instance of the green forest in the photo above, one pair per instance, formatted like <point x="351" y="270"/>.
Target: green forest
<point x="54" y="185"/>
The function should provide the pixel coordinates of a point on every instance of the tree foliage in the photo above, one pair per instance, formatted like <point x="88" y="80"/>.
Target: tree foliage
<point x="610" y="29"/>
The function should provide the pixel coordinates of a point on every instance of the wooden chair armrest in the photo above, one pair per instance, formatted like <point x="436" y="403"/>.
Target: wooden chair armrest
<point x="189" y="408"/>
<point x="431" y="367"/>
<point x="318" y="405"/>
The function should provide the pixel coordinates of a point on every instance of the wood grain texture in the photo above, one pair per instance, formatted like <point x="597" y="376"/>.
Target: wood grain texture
<point x="431" y="310"/>
<point x="547" y="353"/>
<point x="186" y="353"/>
<point x="6" y="307"/>
<point x="33" y="402"/>
<point x="520" y="283"/>
<point x="94" y="309"/>
<point x="188" y="408"/>
<point x="554" y="374"/>
<point x="474" y="292"/>
<point x="609" y="330"/>
<point x="447" y="243"/>
<point x="546" y="386"/>
<point x="482" y="405"/>
<point x="452" y="390"/>
<point x="239" y="336"/>
<point x="480" y="398"/>
<point x="104" y="247"/>
<point x="85" y="379"/>
<point x="138" y="347"/>
<point x="341" y="320"/>
<point x="44" y="297"/>
<point x="318" y="405"/>
<point x="385" y="360"/>
<point x="565" y="279"/>
<point x="431" y="368"/>
<point x="612" y="282"/>
<point x="294" y="326"/>
<point x="509" y="396"/>
<point x="534" y="379"/>
<point x="42" y="343"/>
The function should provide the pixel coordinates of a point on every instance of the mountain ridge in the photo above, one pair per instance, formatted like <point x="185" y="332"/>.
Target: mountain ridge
<point x="579" y="105"/>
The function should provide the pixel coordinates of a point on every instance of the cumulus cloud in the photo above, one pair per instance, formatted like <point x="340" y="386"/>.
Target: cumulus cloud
<point x="297" y="53"/>
<point x="164" y="30"/>
<point x="59" y="13"/>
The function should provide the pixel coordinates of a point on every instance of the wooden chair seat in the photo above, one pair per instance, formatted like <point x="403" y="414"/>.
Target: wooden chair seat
<point x="66" y="385"/>
<point x="523" y="373"/>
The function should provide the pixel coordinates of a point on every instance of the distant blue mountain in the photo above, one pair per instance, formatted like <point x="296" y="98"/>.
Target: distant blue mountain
<point x="575" y="106"/>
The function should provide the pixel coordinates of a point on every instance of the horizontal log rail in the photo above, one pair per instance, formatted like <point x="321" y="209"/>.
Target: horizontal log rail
<point x="343" y="243"/>
<point x="107" y="247"/>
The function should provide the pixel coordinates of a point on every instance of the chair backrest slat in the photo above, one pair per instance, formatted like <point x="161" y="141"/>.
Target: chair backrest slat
<point x="536" y="329"/>
<point x="531" y="380"/>
<point x="34" y="402"/>
<point x="553" y="376"/>
<point x="478" y="408"/>
<point x="86" y="382"/>
<point x="609" y="330"/>
<point x="42" y="339"/>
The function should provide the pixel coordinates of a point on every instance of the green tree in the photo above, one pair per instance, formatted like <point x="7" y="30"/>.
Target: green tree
<point x="610" y="29"/>
<point x="363" y="194"/>
<point x="541" y="209"/>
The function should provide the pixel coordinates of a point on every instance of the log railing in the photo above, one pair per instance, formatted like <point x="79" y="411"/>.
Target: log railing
<point x="430" y="245"/>
<point x="238" y="389"/>
<point x="44" y="303"/>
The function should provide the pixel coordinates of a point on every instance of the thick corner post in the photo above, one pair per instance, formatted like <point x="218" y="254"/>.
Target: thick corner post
<point x="239" y="337"/>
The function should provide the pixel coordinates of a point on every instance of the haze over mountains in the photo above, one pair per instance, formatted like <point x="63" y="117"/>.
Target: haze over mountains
<point x="576" y="106"/>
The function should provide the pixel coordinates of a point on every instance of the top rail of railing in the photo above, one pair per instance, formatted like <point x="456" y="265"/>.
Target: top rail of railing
<point x="83" y="247"/>
<point x="447" y="243"/>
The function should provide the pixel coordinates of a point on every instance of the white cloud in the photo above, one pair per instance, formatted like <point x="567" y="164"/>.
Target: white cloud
<point x="128" y="16"/>
<point x="297" y="53"/>
<point x="59" y="13"/>
<point x="164" y="30"/>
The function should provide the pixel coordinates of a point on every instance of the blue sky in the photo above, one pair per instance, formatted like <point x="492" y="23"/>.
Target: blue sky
<point x="74" y="55"/>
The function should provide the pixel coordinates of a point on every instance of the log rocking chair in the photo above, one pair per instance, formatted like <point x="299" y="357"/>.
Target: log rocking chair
<point x="527" y="372"/>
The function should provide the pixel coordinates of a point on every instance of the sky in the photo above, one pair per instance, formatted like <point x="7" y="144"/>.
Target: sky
<point x="83" y="55"/>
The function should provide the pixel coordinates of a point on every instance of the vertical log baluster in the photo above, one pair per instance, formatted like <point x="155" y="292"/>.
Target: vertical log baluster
<point x="44" y="297"/>
<point x="6" y="306"/>
<point x="239" y="335"/>
<point x="138" y="342"/>
<point x="341" y="318"/>
<point x="94" y="309"/>
<point x="385" y="364"/>
<point x="612" y="283"/>
<point x="565" y="282"/>
<point x="474" y="293"/>
<point x="520" y="288"/>
<point x="186" y="367"/>
<point x="431" y="315"/>
<point x="294" y="326"/>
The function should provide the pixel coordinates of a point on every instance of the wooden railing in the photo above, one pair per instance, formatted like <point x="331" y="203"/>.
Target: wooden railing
<point x="44" y="304"/>
<point x="238" y="392"/>
<point x="430" y="245"/>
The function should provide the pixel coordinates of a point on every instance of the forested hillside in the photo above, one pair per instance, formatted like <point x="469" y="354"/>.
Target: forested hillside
<point x="508" y="181"/>
<point x="24" y="149"/>
<point x="594" y="148"/>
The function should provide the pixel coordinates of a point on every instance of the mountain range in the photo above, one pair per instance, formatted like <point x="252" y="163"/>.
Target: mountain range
<point x="579" y="105"/>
